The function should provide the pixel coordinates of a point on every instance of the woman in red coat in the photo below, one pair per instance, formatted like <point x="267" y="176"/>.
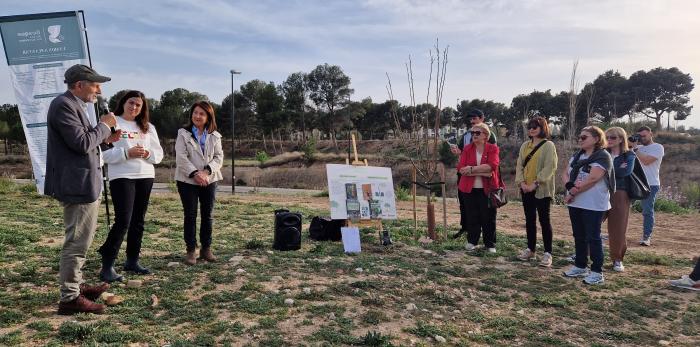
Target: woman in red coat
<point x="478" y="166"/>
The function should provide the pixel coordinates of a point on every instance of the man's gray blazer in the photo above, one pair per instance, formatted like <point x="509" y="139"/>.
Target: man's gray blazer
<point x="73" y="173"/>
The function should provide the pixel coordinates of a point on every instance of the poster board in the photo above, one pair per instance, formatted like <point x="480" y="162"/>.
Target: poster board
<point x="39" y="48"/>
<point x="361" y="192"/>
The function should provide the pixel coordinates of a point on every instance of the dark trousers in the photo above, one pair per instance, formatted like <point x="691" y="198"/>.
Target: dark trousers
<point x="533" y="208"/>
<point x="130" y="198"/>
<point x="462" y="216"/>
<point x="586" y="226"/>
<point x="479" y="218"/>
<point x="191" y="195"/>
<point x="695" y="275"/>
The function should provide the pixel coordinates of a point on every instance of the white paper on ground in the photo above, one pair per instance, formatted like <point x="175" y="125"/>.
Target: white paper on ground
<point x="351" y="239"/>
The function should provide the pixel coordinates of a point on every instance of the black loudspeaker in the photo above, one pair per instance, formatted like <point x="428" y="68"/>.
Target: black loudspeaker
<point x="287" y="230"/>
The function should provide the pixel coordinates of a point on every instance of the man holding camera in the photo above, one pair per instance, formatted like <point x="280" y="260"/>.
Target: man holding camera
<point x="650" y="155"/>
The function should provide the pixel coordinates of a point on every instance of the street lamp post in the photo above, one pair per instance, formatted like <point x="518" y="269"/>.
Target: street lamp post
<point x="233" y="136"/>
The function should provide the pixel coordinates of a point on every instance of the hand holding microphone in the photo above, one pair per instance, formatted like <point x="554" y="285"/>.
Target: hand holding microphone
<point x="108" y="118"/>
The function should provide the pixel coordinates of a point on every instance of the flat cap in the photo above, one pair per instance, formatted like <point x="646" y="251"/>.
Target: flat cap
<point x="79" y="72"/>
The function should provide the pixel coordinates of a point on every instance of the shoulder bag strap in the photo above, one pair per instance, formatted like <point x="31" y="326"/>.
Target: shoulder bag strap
<point x="529" y="156"/>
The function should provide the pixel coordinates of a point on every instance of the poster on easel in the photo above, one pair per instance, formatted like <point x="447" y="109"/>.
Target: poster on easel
<point x="38" y="49"/>
<point x="361" y="192"/>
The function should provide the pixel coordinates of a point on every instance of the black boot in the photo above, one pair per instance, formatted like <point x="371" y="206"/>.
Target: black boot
<point x="132" y="264"/>
<point x="108" y="274"/>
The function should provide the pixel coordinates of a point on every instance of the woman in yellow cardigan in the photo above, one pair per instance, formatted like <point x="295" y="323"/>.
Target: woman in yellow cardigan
<point x="535" y="171"/>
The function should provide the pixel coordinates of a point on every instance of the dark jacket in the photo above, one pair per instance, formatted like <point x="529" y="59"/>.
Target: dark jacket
<point x="73" y="173"/>
<point x="623" y="174"/>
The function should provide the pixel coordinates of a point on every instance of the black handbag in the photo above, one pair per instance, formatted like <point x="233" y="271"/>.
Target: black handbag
<point x="637" y="184"/>
<point x="497" y="197"/>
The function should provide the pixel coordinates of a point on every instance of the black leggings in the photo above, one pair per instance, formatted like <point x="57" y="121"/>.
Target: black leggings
<point x="479" y="217"/>
<point x="533" y="208"/>
<point x="130" y="198"/>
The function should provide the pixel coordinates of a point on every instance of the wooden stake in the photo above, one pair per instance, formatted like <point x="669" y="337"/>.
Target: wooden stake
<point x="413" y="192"/>
<point x="444" y="199"/>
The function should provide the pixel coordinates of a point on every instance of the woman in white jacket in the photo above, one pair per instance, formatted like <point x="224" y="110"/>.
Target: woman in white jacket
<point x="131" y="175"/>
<point x="199" y="158"/>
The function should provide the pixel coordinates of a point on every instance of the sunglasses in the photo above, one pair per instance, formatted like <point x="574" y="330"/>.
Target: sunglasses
<point x="611" y="137"/>
<point x="476" y="133"/>
<point x="533" y="127"/>
<point x="583" y="137"/>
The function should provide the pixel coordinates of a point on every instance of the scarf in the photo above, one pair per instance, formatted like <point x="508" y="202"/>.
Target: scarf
<point x="601" y="157"/>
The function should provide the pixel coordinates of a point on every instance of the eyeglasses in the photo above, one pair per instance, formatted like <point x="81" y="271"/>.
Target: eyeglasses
<point x="533" y="127"/>
<point x="583" y="137"/>
<point x="476" y="133"/>
<point x="611" y="137"/>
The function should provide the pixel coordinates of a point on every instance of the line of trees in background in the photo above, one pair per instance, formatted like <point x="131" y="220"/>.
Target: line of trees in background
<point x="321" y="99"/>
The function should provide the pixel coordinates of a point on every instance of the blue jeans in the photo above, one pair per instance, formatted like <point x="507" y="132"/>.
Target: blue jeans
<point x="648" y="211"/>
<point x="586" y="227"/>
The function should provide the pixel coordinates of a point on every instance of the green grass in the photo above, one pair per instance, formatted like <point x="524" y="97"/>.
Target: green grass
<point x="480" y="299"/>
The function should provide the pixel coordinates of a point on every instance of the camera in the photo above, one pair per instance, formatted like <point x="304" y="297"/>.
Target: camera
<point x="634" y="138"/>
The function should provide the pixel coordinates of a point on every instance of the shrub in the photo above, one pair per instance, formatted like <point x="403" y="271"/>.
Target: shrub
<point x="309" y="149"/>
<point x="663" y="205"/>
<point x="403" y="194"/>
<point x="446" y="155"/>
<point x="262" y="157"/>
<point x="692" y="195"/>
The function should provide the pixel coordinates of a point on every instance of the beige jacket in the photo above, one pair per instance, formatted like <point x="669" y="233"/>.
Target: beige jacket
<point x="189" y="156"/>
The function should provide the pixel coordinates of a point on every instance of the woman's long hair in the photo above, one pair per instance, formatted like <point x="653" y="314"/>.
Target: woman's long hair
<point x="143" y="118"/>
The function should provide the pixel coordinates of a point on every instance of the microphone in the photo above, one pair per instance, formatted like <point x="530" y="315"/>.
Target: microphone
<point x="102" y="105"/>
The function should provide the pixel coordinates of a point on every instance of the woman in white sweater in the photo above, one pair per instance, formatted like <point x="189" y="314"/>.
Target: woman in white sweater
<point x="131" y="175"/>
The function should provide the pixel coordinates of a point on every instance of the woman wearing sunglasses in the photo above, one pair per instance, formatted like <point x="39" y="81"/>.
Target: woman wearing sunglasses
<point x="623" y="163"/>
<point x="478" y="166"/>
<point x="534" y="174"/>
<point x="589" y="181"/>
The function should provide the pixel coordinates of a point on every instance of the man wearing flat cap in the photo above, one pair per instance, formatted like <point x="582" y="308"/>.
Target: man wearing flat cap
<point x="73" y="177"/>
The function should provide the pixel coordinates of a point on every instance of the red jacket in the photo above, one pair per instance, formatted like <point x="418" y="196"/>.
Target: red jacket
<point x="468" y="158"/>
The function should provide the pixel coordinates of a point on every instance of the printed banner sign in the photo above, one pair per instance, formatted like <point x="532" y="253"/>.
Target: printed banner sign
<point x="39" y="48"/>
<point x="360" y="192"/>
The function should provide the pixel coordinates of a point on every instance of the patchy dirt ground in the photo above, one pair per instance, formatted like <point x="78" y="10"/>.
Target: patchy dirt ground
<point x="677" y="235"/>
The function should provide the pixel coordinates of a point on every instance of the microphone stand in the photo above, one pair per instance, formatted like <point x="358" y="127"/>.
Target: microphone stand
<point x="102" y="105"/>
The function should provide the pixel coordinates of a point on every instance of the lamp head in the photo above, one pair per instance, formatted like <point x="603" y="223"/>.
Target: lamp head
<point x="234" y="72"/>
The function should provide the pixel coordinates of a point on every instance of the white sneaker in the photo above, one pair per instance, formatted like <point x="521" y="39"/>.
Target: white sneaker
<point x="645" y="241"/>
<point x="469" y="247"/>
<point x="546" y="260"/>
<point x="491" y="250"/>
<point x="575" y="271"/>
<point x="617" y="266"/>
<point x="526" y="255"/>
<point x="686" y="282"/>
<point x="594" y="278"/>
<point x="572" y="258"/>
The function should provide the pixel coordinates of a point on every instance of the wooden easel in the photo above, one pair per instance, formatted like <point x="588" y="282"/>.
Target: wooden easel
<point x="377" y="223"/>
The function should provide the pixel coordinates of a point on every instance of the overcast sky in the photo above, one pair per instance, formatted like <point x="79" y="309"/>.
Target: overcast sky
<point x="497" y="49"/>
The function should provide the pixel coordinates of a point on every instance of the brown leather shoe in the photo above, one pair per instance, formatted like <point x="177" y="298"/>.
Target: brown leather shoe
<point x="207" y="255"/>
<point x="191" y="258"/>
<point x="93" y="292"/>
<point x="80" y="304"/>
